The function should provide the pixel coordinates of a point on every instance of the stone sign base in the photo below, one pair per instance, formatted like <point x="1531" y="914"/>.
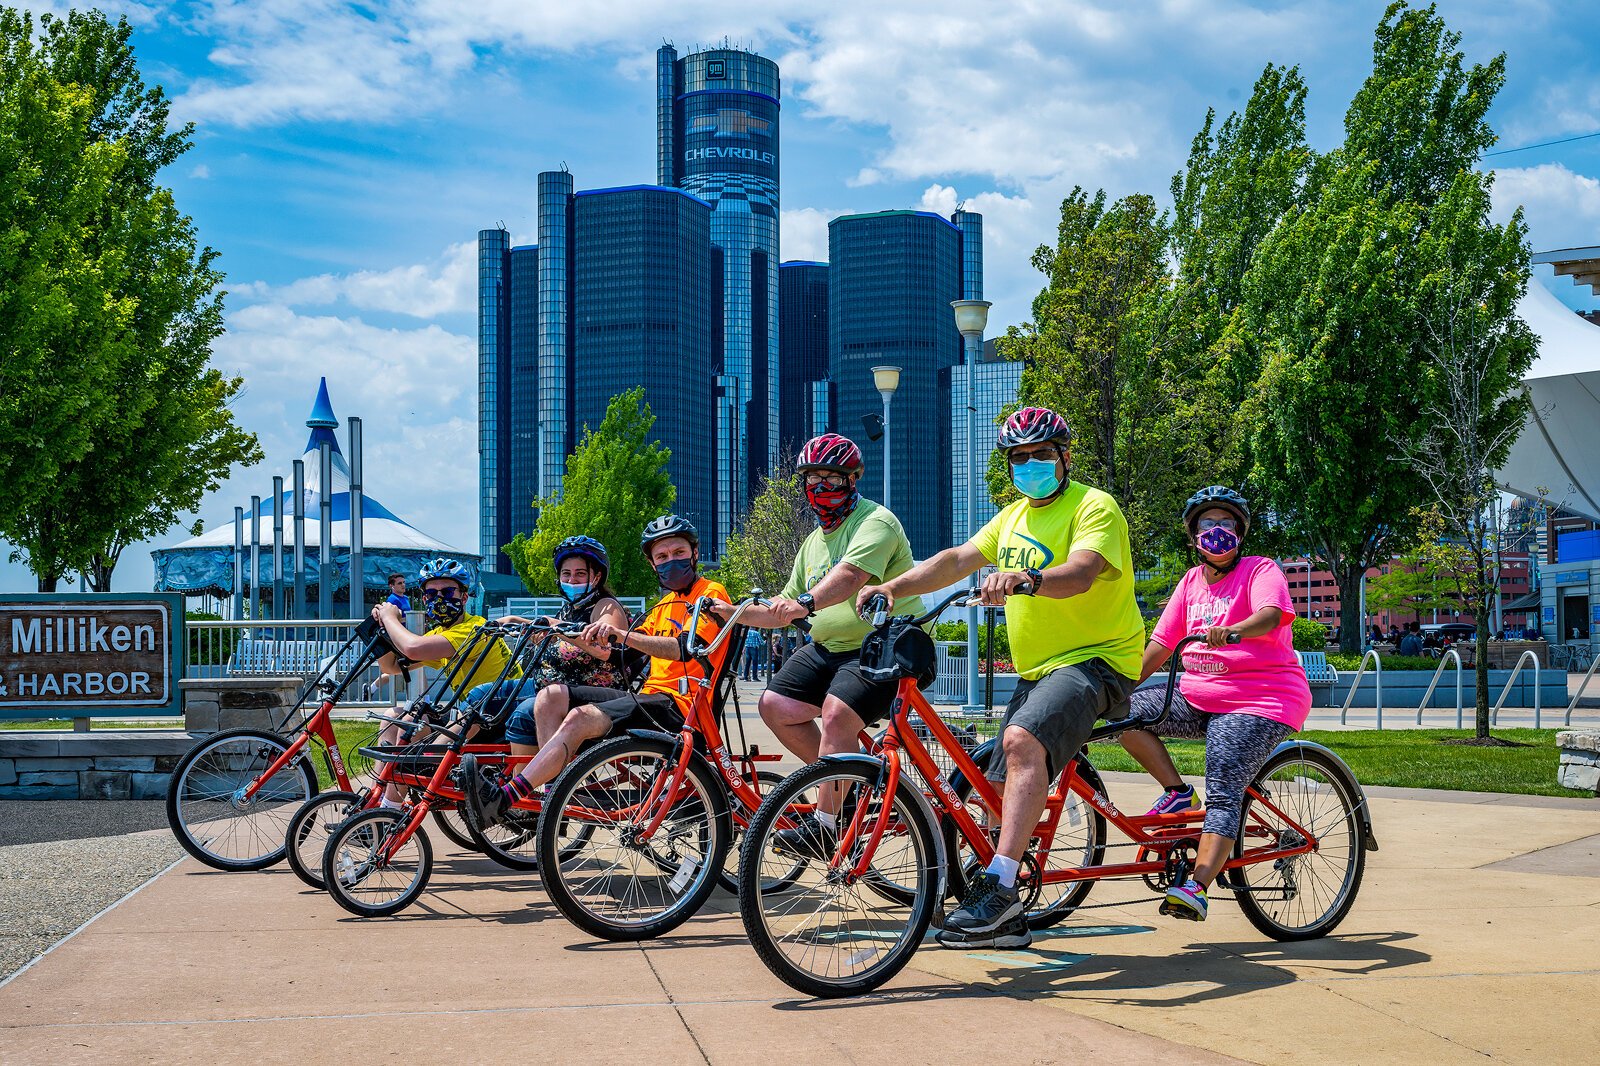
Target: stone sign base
<point x="107" y="765"/>
<point x="214" y="703"/>
<point x="1580" y="760"/>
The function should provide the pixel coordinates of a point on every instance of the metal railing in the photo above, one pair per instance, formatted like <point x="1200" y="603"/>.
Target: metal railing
<point x="1377" y="673"/>
<point x="950" y="683"/>
<point x="1527" y="656"/>
<point x="1444" y="660"/>
<point x="1578" y="695"/>
<point x="288" y="648"/>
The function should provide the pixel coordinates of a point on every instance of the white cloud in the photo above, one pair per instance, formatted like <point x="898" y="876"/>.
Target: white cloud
<point x="1562" y="208"/>
<point x="803" y="234"/>
<point x="201" y="172"/>
<point x="447" y="285"/>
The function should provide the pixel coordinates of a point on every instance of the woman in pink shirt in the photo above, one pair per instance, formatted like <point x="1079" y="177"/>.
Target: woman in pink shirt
<point x="1241" y="699"/>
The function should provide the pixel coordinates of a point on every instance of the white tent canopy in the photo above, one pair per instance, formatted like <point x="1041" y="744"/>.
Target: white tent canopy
<point x="1558" y="454"/>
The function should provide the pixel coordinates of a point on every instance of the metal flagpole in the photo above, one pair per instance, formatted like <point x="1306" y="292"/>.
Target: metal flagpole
<point x="325" y="532"/>
<point x="358" y="584"/>
<point x="255" y="558"/>
<point x="300" y="538"/>
<point x="277" y="546"/>
<point x="238" y="563"/>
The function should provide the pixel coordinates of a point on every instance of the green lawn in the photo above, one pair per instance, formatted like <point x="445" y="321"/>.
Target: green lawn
<point x="1409" y="758"/>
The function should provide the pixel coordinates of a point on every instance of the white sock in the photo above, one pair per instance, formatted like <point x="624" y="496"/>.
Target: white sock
<point x="1005" y="869"/>
<point x="388" y="804"/>
<point x="829" y="821"/>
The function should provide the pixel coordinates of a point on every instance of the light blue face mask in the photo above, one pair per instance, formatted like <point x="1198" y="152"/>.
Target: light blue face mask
<point x="573" y="593"/>
<point x="1036" y="479"/>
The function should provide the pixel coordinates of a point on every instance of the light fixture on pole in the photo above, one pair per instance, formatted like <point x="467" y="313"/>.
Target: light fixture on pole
<point x="971" y="318"/>
<point x="887" y="379"/>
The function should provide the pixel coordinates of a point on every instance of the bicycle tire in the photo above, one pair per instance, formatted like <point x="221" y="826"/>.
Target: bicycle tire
<point x="865" y="930"/>
<point x="200" y="791"/>
<point x="1312" y="774"/>
<point x="310" y="829"/>
<point x="728" y="876"/>
<point x="454" y="827"/>
<point x="348" y="869"/>
<point x="678" y="865"/>
<point x="1054" y="903"/>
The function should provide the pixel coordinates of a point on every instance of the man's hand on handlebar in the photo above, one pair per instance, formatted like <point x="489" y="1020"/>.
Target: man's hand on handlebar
<point x="864" y="609"/>
<point x="784" y="611"/>
<point x="1002" y="583"/>
<point x="602" y="634"/>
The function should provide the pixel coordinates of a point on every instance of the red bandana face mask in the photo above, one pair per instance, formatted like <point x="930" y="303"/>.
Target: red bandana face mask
<point x="831" y="506"/>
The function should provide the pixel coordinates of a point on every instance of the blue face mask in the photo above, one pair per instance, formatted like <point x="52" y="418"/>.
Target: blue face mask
<point x="676" y="575"/>
<point x="1036" y="479"/>
<point x="573" y="593"/>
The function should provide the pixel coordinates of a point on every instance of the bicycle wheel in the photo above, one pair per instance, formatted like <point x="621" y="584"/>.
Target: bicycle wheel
<point x="1079" y="841"/>
<point x="361" y="878"/>
<point x="1305" y="896"/>
<point x="622" y="886"/>
<point x="728" y="876"/>
<point x="208" y="812"/>
<point x="823" y="935"/>
<point x="454" y="827"/>
<point x="316" y="820"/>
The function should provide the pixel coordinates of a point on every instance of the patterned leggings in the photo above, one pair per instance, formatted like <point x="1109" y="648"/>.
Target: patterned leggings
<point x="1236" y="747"/>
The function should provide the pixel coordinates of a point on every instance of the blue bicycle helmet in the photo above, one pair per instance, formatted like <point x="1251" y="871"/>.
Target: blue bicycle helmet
<point x="453" y="569"/>
<point x="584" y="548"/>
<point x="1217" y="496"/>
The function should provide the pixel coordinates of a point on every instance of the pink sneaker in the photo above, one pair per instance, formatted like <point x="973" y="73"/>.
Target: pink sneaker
<point x="1176" y="801"/>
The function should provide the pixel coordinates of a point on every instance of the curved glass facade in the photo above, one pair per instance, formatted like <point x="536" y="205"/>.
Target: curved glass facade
<point x="494" y="398"/>
<point x="720" y="143"/>
<point x="555" y="337"/>
<point x="802" y="350"/>
<point x="893" y="276"/>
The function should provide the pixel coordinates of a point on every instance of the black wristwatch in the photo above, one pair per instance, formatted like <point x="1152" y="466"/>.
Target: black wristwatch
<point x="1035" y="578"/>
<point x="806" y="600"/>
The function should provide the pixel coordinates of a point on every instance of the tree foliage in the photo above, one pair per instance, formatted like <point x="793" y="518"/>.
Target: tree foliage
<point x="1100" y="350"/>
<point x="1340" y="296"/>
<point x="112" y="420"/>
<point x="616" y="481"/>
<point x="761" y="552"/>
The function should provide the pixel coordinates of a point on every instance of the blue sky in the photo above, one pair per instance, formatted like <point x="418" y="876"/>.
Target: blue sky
<point x="347" y="154"/>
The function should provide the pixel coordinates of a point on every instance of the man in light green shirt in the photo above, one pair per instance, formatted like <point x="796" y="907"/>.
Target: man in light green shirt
<point x="1062" y="556"/>
<point x="857" y="542"/>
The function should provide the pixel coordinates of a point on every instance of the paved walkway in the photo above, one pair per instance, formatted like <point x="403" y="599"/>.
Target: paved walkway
<point x="1476" y="934"/>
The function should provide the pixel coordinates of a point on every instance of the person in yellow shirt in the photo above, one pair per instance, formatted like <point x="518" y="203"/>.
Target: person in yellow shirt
<point x="1062" y="556"/>
<point x="446" y="584"/>
<point x="572" y="715"/>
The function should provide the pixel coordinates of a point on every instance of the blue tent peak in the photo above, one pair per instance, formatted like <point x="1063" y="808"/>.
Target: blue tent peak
<point x="322" y="411"/>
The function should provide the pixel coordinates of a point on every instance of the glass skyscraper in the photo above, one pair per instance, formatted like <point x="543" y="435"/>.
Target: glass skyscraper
<point x="802" y="351"/>
<point x="644" y="275"/>
<point x="994" y="388"/>
<point x="717" y="137"/>
<point x="892" y="277"/>
<point x="494" y="394"/>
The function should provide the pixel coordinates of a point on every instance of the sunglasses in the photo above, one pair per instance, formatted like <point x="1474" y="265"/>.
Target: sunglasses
<point x="1047" y="455"/>
<point x="447" y="595"/>
<point x="833" y="481"/>
<point x="1212" y="523"/>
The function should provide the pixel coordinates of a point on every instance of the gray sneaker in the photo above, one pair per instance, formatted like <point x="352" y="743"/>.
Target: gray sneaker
<point x="1012" y="934"/>
<point x="986" y="906"/>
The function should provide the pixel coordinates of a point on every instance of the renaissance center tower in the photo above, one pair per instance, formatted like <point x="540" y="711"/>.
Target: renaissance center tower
<point x="717" y="122"/>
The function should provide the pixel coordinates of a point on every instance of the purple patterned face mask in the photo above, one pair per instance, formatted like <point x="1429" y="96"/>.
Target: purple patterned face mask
<point x="1218" y="540"/>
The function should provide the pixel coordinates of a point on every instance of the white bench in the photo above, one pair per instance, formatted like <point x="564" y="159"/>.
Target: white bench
<point x="1315" y="664"/>
<point x="255" y="656"/>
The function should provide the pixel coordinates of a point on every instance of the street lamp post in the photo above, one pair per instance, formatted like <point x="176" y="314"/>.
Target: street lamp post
<point x="971" y="318"/>
<point x="887" y="379"/>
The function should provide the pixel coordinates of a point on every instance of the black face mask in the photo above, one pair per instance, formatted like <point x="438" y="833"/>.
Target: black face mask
<point x="677" y="575"/>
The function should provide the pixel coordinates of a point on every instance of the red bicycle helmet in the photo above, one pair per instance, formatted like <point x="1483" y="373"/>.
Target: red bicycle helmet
<point x="830" y="452"/>
<point x="1034" y="425"/>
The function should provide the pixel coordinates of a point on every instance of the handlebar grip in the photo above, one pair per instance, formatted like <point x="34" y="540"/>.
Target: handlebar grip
<point x="802" y="624"/>
<point x="1024" y="589"/>
<point x="1234" y="638"/>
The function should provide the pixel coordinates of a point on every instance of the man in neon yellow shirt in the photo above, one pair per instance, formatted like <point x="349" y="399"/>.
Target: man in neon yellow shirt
<point x="1077" y="639"/>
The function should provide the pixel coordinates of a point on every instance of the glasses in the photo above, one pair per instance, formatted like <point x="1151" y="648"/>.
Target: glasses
<point x="447" y="595"/>
<point x="833" y="481"/>
<point x="1046" y="455"/>
<point x="1229" y="524"/>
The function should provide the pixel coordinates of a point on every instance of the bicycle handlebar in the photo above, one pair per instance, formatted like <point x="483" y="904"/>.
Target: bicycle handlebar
<point x="752" y="600"/>
<point x="878" y="607"/>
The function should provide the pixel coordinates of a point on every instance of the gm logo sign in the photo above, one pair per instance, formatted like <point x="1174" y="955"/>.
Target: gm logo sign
<point x="716" y="68"/>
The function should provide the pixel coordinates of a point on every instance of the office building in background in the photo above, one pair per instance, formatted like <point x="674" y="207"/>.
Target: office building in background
<point x="802" y="353"/>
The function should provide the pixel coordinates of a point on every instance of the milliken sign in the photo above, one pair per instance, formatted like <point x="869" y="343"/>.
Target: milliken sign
<point x="72" y="656"/>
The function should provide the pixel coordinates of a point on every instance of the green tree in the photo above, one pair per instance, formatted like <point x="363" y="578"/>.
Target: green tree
<point x="159" y="431"/>
<point x="1336" y="294"/>
<point x="616" y="481"/>
<point x="1099" y="352"/>
<point x="1241" y="178"/>
<point x="761" y="552"/>
<point x="1414" y="582"/>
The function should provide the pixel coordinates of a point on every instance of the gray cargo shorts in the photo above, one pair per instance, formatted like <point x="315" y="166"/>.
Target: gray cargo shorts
<point x="1061" y="708"/>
